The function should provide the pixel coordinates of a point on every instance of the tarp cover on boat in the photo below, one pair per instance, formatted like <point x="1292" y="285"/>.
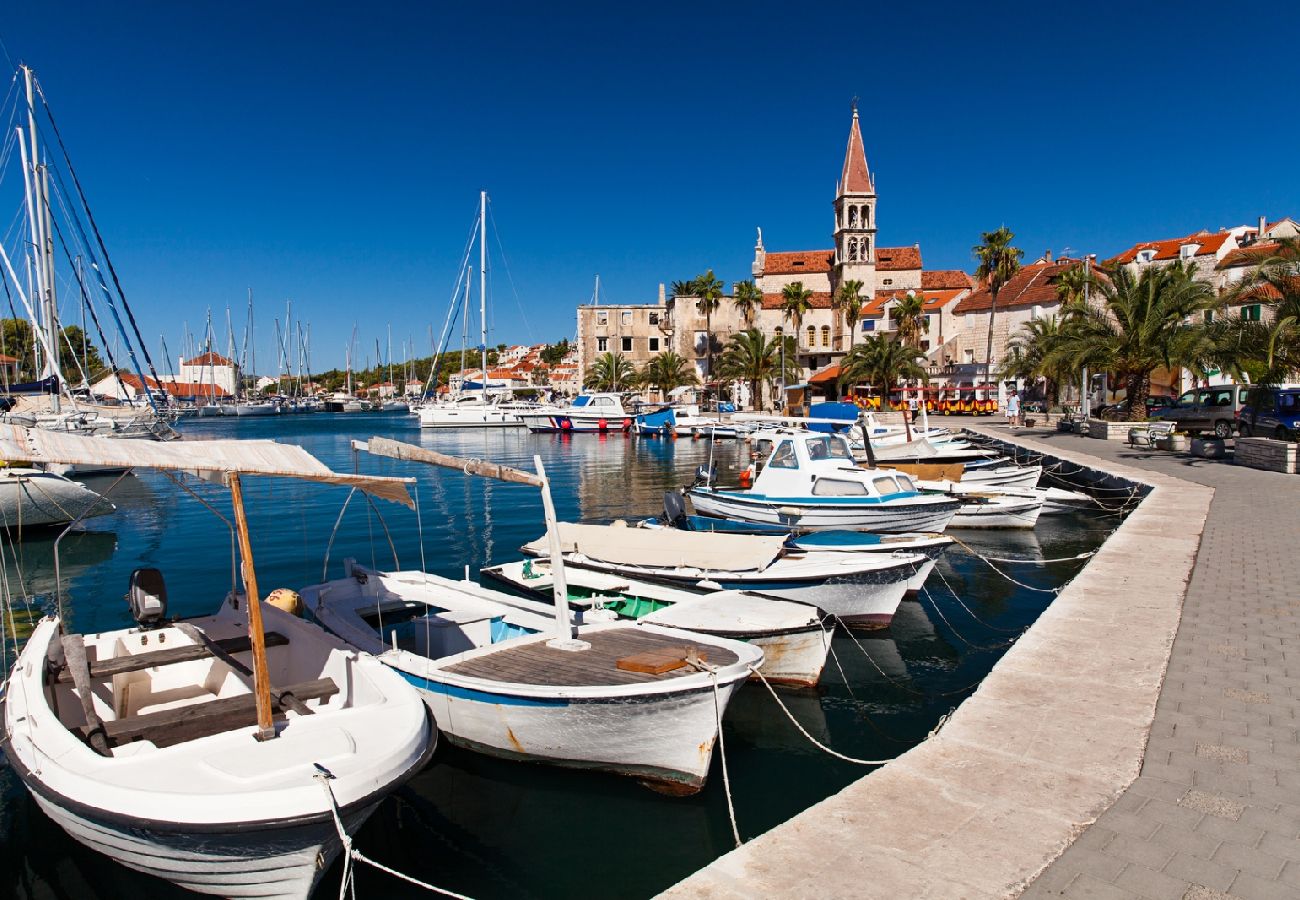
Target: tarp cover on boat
<point x="665" y="547"/>
<point x="38" y="445"/>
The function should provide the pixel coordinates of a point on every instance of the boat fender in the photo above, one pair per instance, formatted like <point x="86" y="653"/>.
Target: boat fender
<point x="747" y="477"/>
<point x="708" y="584"/>
<point x="287" y="600"/>
<point x="602" y="425"/>
<point x="788" y="512"/>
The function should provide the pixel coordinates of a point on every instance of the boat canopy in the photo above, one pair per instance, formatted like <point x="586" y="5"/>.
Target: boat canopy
<point x="208" y="458"/>
<point x="665" y="547"/>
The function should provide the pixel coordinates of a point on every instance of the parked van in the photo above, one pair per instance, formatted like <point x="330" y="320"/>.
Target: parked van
<point x="1271" y="412"/>
<point x="1207" y="409"/>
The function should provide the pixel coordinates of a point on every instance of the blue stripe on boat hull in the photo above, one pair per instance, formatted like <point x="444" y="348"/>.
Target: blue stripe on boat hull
<point x="462" y="693"/>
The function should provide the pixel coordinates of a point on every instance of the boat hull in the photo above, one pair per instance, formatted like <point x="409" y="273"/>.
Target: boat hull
<point x="39" y="499"/>
<point x="573" y="423"/>
<point x="803" y="516"/>
<point x="1004" y="512"/>
<point x="858" y="601"/>
<point x="795" y="658"/>
<point x="472" y="417"/>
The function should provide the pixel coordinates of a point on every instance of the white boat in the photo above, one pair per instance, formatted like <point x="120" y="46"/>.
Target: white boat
<point x="469" y="412"/>
<point x="30" y="497"/>
<point x="1008" y="475"/>
<point x="498" y="684"/>
<point x="863" y="589"/>
<point x="810" y="482"/>
<point x="395" y="406"/>
<point x="997" y="511"/>
<point x="794" y="639"/>
<point x="597" y="413"/>
<point x="258" y="408"/>
<point x="193" y="750"/>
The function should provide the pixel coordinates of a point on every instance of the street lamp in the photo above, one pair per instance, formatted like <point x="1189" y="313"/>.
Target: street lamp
<point x="780" y="338"/>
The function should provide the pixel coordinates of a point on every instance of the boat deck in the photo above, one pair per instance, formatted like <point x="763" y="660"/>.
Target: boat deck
<point x="536" y="663"/>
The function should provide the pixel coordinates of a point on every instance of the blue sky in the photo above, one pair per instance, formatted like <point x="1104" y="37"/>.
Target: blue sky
<point x="332" y="153"/>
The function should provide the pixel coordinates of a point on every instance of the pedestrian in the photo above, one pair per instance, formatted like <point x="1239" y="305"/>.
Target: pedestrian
<point x="1013" y="409"/>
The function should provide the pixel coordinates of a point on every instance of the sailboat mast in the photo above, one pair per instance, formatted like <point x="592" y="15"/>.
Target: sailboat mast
<point x="482" y="286"/>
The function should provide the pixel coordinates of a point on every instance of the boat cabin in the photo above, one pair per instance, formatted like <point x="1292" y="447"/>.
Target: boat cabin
<point x="803" y="463"/>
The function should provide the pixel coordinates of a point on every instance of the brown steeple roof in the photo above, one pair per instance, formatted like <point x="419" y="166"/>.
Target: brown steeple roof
<point x="855" y="178"/>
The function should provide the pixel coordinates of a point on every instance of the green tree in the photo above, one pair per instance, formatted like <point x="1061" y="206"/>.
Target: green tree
<point x="683" y="288"/>
<point x="1030" y="356"/>
<point x="748" y="300"/>
<point x="554" y="353"/>
<point x="708" y="293"/>
<point x="610" y="372"/>
<point x="999" y="261"/>
<point x="883" y="363"/>
<point x="1072" y="284"/>
<point x="848" y="304"/>
<point x="910" y="319"/>
<point x="1268" y="348"/>
<point x="796" y="300"/>
<point x="666" y="371"/>
<point x="1141" y="324"/>
<point x="749" y="356"/>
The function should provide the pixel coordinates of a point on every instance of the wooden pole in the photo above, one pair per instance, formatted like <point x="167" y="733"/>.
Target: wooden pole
<point x="559" y="584"/>
<point x="398" y="450"/>
<point x="261" y="677"/>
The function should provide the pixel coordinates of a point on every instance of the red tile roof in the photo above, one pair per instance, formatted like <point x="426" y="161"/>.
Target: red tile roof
<point x="7" y="360"/>
<point x="894" y="259"/>
<point x="1249" y="256"/>
<point x="946" y="278"/>
<point x="1208" y="242"/>
<point x="175" y="388"/>
<point x="934" y="300"/>
<point x="826" y="375"/>
<point x="208" y="359"/>
<point x="798" y="261"/>
<point x="819" y="300"/>
<point x="855" y="177"/>
<point x="1033" y="285"/>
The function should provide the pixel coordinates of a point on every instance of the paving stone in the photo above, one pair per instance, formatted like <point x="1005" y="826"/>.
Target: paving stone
<point x="1249" y="860"/>
<point x="1151" y="884"/>
<point x="1086" y="887"/>
<point x="1201" y="892"/>
<point x="1198" y="871"/>
<point x="1222" y="753"/>
<point x="1213" y="805"/>
<point x="1248" y="887"/>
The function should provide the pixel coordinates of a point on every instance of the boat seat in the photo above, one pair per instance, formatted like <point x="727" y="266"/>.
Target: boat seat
<point x="135" y="662"/>
<point x="198" y="720"/>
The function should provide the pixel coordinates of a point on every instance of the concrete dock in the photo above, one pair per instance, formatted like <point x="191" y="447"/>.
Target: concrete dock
<point x="1078" y="768"/>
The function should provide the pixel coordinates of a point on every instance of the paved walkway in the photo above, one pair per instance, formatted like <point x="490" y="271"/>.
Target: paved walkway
<point x="1215" y="812"/>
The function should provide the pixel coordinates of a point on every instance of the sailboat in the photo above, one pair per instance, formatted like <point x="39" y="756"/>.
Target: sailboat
<point x="221" y="752"/>
<point x="469" y="411"/>
<point x="637" y="700"/>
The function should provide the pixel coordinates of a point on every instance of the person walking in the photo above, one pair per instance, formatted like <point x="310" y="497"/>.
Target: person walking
<point x="1013" y="409"/>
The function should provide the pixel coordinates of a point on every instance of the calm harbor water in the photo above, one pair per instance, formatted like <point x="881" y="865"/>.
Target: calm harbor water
<point x="489" y="828"/>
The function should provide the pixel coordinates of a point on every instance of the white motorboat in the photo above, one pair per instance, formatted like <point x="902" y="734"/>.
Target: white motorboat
<point x="258" y="408"/>
<point x="599" y="413"/>
<point x="498" y="683"/>
<point x="811" y="483"/>
<point x="794" y="639"/>
<point x="30" y="497"/>
<point x="470" y="412"/>
<point x="194" y="750"/>
<point x="861" y="588"/>
<point x="395" y="406"/>
<point x="997" y="511"/>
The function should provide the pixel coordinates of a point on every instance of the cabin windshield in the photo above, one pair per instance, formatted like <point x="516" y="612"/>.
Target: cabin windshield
<point x="784" y="457"/>
<point x="905" y="483"/>
<point x="827" y="448"/>
<point x="885" y="485"/>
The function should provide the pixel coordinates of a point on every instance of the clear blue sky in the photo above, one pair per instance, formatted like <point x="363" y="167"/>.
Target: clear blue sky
<point x="332" y="152"/>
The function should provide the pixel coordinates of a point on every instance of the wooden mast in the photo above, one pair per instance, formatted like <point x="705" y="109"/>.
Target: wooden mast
<point x="261" y="677"/>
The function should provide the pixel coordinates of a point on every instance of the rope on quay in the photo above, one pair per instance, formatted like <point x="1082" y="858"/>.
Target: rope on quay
<point x="969" y="611"/>
<point x="858" y="703"/>
<point x="998" y="646"/>
<point x="989" y="562"/>
<point x="722" y="753"/>
<point x="347" y="887"/>
<point x="898" y="684"/>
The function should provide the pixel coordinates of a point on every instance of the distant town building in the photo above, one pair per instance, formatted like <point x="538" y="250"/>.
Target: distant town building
<point x="209" y="368"/>
<point x="129" y="386"/>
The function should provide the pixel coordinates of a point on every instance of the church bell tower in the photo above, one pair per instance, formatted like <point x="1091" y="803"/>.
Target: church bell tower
<point x="855" y="217"/>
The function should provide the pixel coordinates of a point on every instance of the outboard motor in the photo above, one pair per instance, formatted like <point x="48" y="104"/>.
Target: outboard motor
<point x="674" y="508"/>
<point x="706" y="475"/>
<point x="147" y="597"/>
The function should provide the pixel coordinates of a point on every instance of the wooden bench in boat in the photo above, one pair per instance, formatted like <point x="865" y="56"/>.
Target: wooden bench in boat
<point x="135" y="662"/>
<point x="198" y="720"/>
<point x="536" y="663"/>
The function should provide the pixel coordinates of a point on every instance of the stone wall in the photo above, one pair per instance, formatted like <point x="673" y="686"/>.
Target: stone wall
<point x="1267" y="454"/>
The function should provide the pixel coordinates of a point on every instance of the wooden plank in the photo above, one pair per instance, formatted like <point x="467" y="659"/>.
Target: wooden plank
<point x="187" y="723"/>
<point x="253" y="602"/>
<point x="927" y="471"/>
<point x="657" y="662"/>
<point x="74" y="651"/>
<point x="397" y="450"/>
<point x="106" y="668"/>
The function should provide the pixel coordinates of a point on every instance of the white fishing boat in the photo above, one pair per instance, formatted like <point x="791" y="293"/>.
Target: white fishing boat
<point x="997" y="511"/>
<point x="810" y="482"/>
<point x="498" y="682"/>
<point x="596" y="413"/>
<point x="194" y="749"/>
<point x="31" y="497"/>
<point x="863" y="589"/>
<point x="793" y="636"/>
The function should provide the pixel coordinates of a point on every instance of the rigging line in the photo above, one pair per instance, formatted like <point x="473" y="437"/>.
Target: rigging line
<point x="90" y="217"/>
<point x="449" y="323"/>
<point x="510" y="277"/>
<point x="957" y="634"/>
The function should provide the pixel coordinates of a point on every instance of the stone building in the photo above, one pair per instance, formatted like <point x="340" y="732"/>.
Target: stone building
<point x="209" y="368"/>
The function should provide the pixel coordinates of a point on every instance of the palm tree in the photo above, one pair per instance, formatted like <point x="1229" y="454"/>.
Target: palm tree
<point x="708" y="290"/>
<point x="847" y="304"/>
<point x="1140" y="326"/>
<point x="610" y="372"/>
<point x="1269" y="347"/>
<point x="910" y="318"/>
<point x="750" y="356"/>
<point x="999" y="262"/>
<point x="1072" y="284"/>
<point x="748" y="300"/>
<point x="666" y="371"/>
<point x="1028" y="354"/>
<point x="796" y="300"/>
<point x="882" y="362"/>
<point x="683" y="288"/>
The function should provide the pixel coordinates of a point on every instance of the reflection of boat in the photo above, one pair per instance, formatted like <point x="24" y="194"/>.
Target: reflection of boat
<point x="165" y="746"/>
<point x="754" y="718"/>
<point x="31" y="497"/>
<point x="497" y="684"/>
<point x="791" y="635"/>
<point x="31" y="572"/>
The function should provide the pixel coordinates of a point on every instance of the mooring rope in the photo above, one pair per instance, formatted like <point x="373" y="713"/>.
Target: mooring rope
<point x="988" y="561"/>
<point x="347" y="887"/>
<point x="957" y="634"/>
<point x="722" y="751"/>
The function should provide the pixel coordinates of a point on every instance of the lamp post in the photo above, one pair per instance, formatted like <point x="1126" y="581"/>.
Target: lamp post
<point x="780" y="339"/>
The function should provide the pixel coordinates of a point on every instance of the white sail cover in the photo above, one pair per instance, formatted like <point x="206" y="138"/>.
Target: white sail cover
<point x="665" y="547"/>
<point x="207" y="458"/>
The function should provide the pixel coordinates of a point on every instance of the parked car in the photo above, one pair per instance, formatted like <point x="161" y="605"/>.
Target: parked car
<point x="1155" y="402"/>
<point x="1207" y="409"/>
<point x="1271" y="412"/>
